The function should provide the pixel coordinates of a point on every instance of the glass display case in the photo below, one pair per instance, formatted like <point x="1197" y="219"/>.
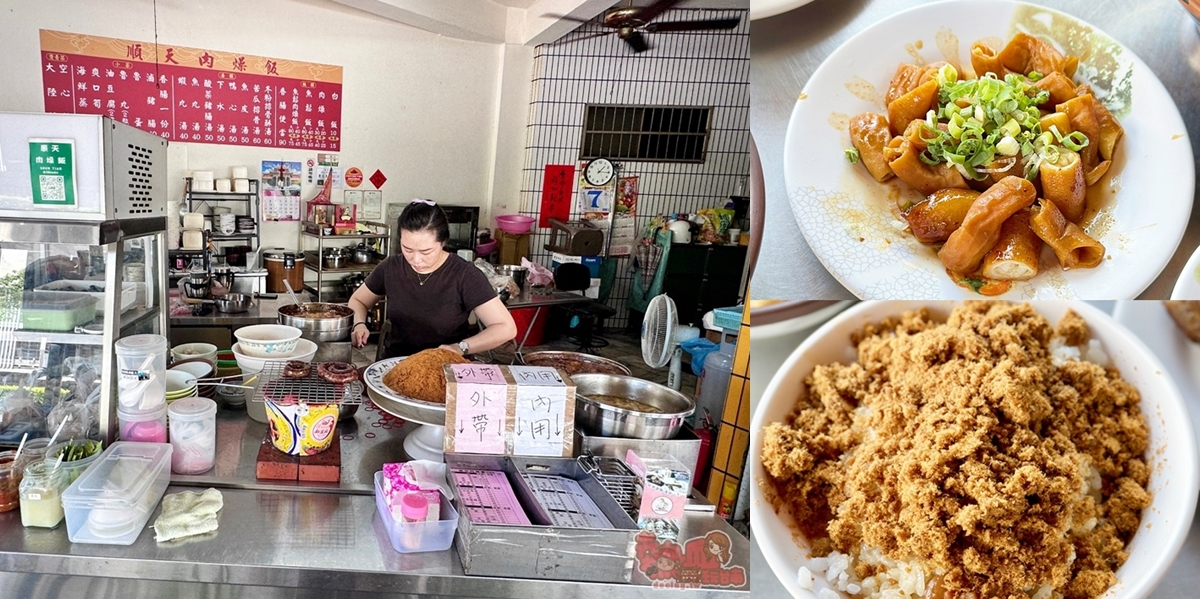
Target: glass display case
<point x="82" y="264"/>
<point x="58" y="323"/>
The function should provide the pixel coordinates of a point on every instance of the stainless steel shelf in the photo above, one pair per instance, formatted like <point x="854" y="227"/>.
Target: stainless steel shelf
<point x="344" y="269"/>
<point x="128" y="319"/>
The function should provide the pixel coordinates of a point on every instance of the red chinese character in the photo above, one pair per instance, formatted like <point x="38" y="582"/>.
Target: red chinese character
<point x="239" y="63"/>
<point x="134" y="51"/>
<point x="272" y="68"/>
<point x="206" y="60"/>
<point x="170" y="57"/>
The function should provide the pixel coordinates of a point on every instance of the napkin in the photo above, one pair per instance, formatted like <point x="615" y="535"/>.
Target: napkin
<point x="188" y="513"/>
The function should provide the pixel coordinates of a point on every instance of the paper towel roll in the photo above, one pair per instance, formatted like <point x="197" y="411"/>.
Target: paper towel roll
<point x="241" y="185"/>
<point x="238" y="172"/>
<point x="223" y="185"/>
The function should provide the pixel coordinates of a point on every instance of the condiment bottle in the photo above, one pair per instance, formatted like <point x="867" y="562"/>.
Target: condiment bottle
<point x="10" y="481"/>
<point x="41" y="495"/>
<point x="413" y="510"/>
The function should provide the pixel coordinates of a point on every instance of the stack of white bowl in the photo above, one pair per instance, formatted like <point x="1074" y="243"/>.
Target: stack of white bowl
<point x="261" y="344"/>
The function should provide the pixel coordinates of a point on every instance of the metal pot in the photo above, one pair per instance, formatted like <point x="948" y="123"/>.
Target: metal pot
<point x="334" y="261"/>
<point x="319" y="322"/>
<point x="363" y="254"/>
<point x="610" y="421"/>
<point x="574" y="363"/>
<point x="232" y="303"/>
<point x="352" y="283"/>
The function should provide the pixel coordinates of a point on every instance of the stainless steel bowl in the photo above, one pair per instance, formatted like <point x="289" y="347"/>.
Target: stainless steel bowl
<point x="610" y="421"/>
<point x="320" y="322"/>
<point x="233" y="303"/>
<point x="576" y="363"/>
<point x="363" y="254"/>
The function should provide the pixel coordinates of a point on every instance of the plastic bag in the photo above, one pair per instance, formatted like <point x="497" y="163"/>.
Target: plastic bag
<point x="699" y="349"/>
<point x="503" y="284"/>
<point x="539" y="276"/>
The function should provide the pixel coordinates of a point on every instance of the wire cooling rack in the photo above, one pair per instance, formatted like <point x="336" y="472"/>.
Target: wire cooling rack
<point x="615" y="477"/>
<point x="312" y="389"/>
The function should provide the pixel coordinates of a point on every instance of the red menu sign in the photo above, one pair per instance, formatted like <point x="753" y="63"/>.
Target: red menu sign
<point x="194" y="95"/>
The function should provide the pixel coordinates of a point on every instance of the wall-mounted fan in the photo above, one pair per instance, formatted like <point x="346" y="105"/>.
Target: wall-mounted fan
<point x="630" y="22"/>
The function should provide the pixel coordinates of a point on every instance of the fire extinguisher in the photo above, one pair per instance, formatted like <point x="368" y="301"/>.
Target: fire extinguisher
<point x="707" y="432"/>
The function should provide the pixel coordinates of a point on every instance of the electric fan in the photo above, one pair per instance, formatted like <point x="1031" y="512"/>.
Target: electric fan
<point x="662" y="335"/>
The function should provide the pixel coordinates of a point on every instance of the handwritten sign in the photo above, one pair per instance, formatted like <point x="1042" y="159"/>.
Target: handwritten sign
<point x="536" y="375"/>
<point x="477" y="373"/>
<point x="556" y="193"/>
<point x="517" y="410"/>
<point x="545" y="412"/>
<point x="480" y="418"/>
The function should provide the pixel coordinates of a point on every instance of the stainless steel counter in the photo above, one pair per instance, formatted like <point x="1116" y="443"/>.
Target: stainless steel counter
<point x="279" y="539"/>
<point x="263" y="311"/>
<point x="785" y="50"/>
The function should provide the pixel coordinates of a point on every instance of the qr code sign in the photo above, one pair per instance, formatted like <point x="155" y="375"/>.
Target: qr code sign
<point x="54" y="188"/>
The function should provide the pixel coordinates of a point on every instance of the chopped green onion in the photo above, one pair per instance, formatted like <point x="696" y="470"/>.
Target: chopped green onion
<point x="1075" y="142"/>
<point x="852" y="155"/>
<point x="1035" y="76"/>
<point x="946" y="75"/>
<point x="1008" y="146"/>
<point x="973" y="283"/>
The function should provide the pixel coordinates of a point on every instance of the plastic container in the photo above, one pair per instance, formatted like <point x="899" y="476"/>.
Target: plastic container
<point x="41" y="495"/>
<point x="74" y="468"/>
<point x="146" y="427"/>
<point x="55" y="311"/>
<point x="141" y="372"/>
<point x="91" y="289"/>
<point x="714" y="385"/>
<point x="111" y="503"/>
<point x="300" y="428"/>
<point x="537" y="331"/>
<point x="413" y="537"/>
<point x="193" y="423"/>
<point x="10" y="481"/>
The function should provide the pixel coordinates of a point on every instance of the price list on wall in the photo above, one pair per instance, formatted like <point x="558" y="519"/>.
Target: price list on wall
<point x="192" y="94"/>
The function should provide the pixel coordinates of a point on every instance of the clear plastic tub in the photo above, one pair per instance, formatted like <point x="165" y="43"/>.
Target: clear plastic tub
<point x="193" y="423"/>
<point x="413" y="537"/>
<point x="112" y="501"/>
<point x="141" y="371"/>
<point x="147" y="427"/>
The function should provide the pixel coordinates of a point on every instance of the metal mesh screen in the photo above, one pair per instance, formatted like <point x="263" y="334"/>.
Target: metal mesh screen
<point x="706" y="69"/>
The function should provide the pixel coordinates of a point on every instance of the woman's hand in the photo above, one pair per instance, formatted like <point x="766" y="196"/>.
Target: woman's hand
<point x="359" y="336"/>
<point x="452" y="348"/>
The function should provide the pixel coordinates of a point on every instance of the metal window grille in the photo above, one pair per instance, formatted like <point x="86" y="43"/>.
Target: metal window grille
<point x="701" y="69"/>
<point x="645" y="133"/>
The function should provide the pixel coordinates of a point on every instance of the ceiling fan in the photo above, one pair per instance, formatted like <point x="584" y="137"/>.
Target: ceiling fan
<point x="630" y="22"/>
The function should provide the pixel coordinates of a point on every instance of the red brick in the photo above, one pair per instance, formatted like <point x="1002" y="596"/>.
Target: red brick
<point x="324" y="467"/>
<point x="273" y="464"/>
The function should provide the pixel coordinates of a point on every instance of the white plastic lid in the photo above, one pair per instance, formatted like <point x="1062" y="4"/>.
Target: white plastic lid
<point x="157" y="413"/>
<point x="141" y="345"/>
<point x="192" y="408"/>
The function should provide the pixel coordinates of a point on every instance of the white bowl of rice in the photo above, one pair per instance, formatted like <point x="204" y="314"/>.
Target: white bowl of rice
<point x="1168" y="469"/>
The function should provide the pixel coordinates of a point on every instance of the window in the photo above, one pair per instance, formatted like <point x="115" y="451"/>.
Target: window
<point x="646" y="133"/>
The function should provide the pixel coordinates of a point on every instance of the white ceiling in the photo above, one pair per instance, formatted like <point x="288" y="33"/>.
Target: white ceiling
<point x="504" y="21"/>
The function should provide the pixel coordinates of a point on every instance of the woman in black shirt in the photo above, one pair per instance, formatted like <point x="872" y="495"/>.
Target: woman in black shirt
<point x="431" y="293"/>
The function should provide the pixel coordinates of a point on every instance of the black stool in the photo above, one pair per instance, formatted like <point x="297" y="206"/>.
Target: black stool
<point x="585" y="320"/>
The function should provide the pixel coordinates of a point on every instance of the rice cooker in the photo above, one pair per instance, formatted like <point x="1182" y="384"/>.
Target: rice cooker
<point x="681" y="231"/>
<point x="284" y="264"/>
